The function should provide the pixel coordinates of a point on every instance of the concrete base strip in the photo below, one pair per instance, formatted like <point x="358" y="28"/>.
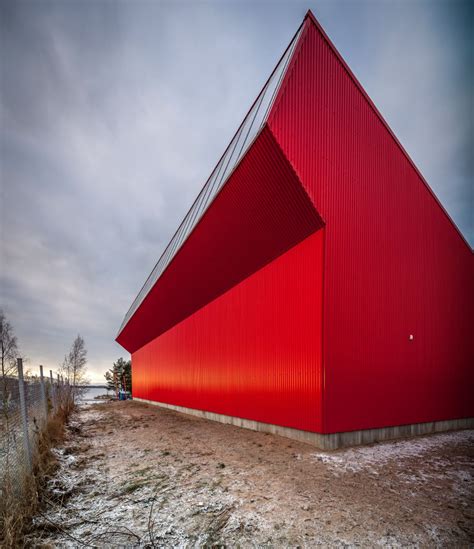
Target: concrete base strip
<point x="331" y="441"/>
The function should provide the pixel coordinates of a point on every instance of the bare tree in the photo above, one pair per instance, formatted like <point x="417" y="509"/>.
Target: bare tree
<point x="8" y="347"/>
<point x="65" y="369"/>
<point x="74" y="365"/>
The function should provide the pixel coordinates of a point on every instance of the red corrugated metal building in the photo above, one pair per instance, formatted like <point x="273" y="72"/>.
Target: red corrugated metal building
<point x="316" y="284"/>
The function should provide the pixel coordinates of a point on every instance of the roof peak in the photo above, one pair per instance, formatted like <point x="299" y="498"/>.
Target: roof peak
<point x="310" y="15"/>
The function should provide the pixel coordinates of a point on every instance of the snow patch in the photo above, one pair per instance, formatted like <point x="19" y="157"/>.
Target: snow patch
<point x="374" y="458"/>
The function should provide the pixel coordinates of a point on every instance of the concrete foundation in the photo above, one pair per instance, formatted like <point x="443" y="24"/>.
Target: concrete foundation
<point x="331" y="441"/>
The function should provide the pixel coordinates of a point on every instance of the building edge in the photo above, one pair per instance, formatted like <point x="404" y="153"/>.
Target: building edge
<point x="331" y="441"/>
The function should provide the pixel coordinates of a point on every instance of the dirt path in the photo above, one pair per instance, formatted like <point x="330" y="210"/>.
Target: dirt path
<point x="137" y="475"/>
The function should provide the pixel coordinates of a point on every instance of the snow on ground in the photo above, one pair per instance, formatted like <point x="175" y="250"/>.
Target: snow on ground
<point x="380" y="454"/>
<point x="134" y="475"/>
<point x="377" y="457"/>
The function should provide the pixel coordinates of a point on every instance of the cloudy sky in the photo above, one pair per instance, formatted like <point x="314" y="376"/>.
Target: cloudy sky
<point x="113" y="114"/>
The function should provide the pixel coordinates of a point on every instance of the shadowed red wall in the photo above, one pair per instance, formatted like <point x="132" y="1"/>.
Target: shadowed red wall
<point x="260" y="213"/>
<point x="254" y="352"/>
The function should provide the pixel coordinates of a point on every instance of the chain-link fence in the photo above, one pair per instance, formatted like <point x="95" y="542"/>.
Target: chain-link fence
<point x="27" y="402"/>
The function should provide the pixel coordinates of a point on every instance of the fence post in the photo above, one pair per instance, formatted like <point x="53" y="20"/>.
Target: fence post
<point x="24" y="415"/>
<point x="43" y="395"/>
<point x="53" y="393"/>
<point x="67" y="392"/>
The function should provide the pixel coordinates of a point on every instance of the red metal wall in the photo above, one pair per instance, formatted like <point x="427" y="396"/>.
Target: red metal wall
<point x="395" y="263"/>
<point x="254" y="352"/>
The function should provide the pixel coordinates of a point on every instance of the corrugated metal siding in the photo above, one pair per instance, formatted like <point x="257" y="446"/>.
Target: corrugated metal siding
<point x="254" y="352"/>
<point x="395" y="263"/>
<point x="260" y="213"/>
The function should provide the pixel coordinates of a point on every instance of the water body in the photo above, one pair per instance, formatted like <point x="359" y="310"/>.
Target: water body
<point x="89" y="394"/>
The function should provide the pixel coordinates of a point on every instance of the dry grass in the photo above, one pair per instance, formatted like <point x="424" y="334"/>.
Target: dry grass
<point x="137" y="475"/>
<point x="23" y="495"/>
<point x="17" y="506"/>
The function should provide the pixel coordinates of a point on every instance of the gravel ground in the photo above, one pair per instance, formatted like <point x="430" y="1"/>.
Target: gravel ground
<point x="134" y="475"/>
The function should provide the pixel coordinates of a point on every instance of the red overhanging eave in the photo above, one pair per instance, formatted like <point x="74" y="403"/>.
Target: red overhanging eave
<point x="261" y="212"/>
